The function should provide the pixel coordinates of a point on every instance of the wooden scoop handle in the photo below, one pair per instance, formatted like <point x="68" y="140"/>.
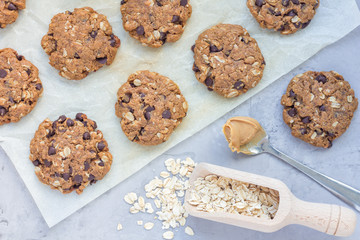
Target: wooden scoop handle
<point x="331" y="219"/>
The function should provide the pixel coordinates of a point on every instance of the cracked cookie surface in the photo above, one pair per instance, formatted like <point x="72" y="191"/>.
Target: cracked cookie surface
<point x="154" y="22"/>
<point x="80" y="42"/>
<point x="318" y="107"/>
<point x="284" y="16"/>
<point x="150" y="106"/>
<point x="9" y="11"/>
<point x="227" y="60"/>
<point x="69" y="154"/>
<point x="20" y="86"/>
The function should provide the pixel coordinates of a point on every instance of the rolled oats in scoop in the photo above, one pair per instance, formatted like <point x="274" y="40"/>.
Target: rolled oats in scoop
<point x="69" y="154"/>
<point x="227" y="60"/>
<point x="80" y="42"/>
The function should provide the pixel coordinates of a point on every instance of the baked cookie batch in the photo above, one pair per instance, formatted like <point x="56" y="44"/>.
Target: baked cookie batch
<point x="71" y="153"/>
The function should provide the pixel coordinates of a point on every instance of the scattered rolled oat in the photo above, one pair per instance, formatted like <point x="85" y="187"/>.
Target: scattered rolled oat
<point x="167" y="194"/>
<point x="119" y="227"/>
<point x="189" y="231"/>
<point x="130" y="198"/>
<point x="219" y="194"/>
<point x="168" y="235"/>
<point x="140" y="222"/>
<point x="148" y="225"/>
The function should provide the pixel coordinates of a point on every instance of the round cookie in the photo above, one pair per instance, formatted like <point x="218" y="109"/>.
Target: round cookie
<point x="150" y="106"/>
<point x="318" y="107"/>
<point x="20" y="86"/>
<point x="9" y="11"/>
<point x="227" y="60"/>
<point x="69" y="154"/>
<point x="284" y="16"/>
<point x="154" y="22"/>
<point x="80" y="42"/>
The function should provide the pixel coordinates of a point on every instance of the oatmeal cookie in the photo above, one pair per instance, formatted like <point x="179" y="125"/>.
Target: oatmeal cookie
<point x="69" y="154"/>
<point x="150" y="106"/>
<point x="154" y="22"/>
<point x="284" y="16"/>
<point x="20" y="86"/>
<point x="9" y="11"/>
<point x="318" y="107"/>
<point x="80" y="42"/>
<point x="227" y="60"/>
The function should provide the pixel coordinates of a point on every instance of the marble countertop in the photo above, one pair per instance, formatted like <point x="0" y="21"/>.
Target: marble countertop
<point x="20" y="218"/>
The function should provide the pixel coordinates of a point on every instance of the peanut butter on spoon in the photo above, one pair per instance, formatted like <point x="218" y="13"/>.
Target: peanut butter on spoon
<point x="243" y="133"/>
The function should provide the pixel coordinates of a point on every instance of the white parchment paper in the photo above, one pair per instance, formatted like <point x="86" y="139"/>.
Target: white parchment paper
<point x="96" y="94"/>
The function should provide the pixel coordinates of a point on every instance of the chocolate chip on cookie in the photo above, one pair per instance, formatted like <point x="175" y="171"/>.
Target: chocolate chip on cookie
<point x="20" y="86"/>
<point x="154" y="22"/>
<point x="150" y="106"/>
<point x="66" y="153"/>
<point x="285" y="16"/>
<point x="318" y="107"/>
<point x="80" y="42"/>
<point x="228" y="60"/>
<point x="9" y="11"/>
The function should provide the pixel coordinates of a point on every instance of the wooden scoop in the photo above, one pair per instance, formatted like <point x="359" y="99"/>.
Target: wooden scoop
<point x="331" y="219"/>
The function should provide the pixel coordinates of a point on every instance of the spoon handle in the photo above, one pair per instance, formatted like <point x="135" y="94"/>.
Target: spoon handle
<point x="346" y="193"/>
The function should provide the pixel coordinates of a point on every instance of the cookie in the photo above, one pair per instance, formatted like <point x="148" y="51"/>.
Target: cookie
<point x="9" y="11"/>
<point x="20" y="86"/>
<point x="284" y="16"/>
<point x="154" y="22"/>
<point x="318" y="107"/>
<point x="80" y="42"/>
<point x="150" y="106"/>
<point x="227" y="60"/>
<point x="69" y="154"/>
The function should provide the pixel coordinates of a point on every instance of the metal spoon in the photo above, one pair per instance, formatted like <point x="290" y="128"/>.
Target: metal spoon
<point x="346" y="193"/>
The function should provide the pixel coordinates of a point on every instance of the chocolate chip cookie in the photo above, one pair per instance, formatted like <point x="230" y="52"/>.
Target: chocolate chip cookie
<point x="154" y="22"/>
<point x="20" y="86"/>
<point x="150" y="106"/>
<point x="284" y="16"/>
<point x="318" y="107"/>
<point x="69" y="154"/>
<point x="80" y="42"/>
<point x="9" y="11"/>
<point x="227" y="60"/>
